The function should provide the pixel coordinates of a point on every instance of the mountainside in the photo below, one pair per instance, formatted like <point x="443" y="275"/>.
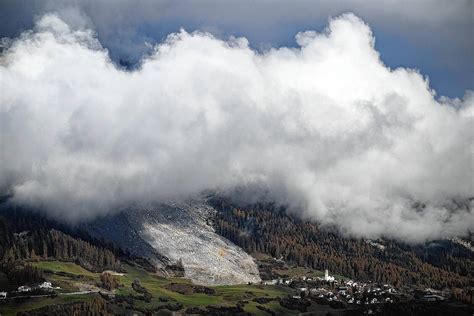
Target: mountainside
<point x="202" y="236"/>
<point x="179" y="234"/>
<point x="201" y="240"/>
<point x="270" y="230"/>
<point x="27" y="235"/>
<point x="65" y="269"/>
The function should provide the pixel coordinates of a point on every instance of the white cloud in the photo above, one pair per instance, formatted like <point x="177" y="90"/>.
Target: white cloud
<point x="325" y="127"/>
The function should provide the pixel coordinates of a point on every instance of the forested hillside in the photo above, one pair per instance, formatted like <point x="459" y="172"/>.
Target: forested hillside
<point x="32" y="237"/>
<point x="262" y="228"/>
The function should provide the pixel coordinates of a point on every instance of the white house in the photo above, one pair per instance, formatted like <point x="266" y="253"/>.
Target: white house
<point x="24" y="288"/>
<point x="270" y="282"/>
<point x="46" y="285"/>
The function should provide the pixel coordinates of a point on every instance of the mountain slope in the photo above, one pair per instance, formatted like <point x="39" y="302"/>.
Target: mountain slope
<point x="270" y="230"/>
<point x="179" y="233"/>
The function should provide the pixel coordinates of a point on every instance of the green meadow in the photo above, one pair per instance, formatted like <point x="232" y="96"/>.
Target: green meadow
<point x="70" y="277"/>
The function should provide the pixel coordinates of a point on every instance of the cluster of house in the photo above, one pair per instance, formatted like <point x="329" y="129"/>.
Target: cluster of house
<point x="353" y="293"/>
<point x="329" y="290"/>
<point x="45" y="287"/>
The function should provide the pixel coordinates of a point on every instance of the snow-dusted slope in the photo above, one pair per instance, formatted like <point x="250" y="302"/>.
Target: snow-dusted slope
<point x="168" y="233"/>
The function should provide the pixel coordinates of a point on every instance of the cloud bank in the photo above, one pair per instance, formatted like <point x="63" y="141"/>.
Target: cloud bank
<point x="325" y="128"/>
<point x="424" y="34"/>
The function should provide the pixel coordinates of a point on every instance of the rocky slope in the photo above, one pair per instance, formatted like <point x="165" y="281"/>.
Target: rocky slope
<point x="176" y="232"/>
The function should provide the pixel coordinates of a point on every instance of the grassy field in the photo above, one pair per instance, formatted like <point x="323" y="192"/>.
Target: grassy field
<point x="67" y="267"/>
<point x="71" y="276"/>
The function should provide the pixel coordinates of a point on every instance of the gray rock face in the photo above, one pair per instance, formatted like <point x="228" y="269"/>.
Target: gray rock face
<point x="168" y="233"/>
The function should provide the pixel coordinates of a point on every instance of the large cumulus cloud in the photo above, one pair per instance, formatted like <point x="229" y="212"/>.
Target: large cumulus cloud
<point x="325" y="128"/>
<point x="425" y="34"/>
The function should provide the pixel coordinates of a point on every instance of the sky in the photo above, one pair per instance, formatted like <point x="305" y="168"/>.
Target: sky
<point x="434" y="36"/>
<point x="317" y="121"/>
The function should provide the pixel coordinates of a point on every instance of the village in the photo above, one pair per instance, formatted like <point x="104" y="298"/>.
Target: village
<point x="343" y="293"/>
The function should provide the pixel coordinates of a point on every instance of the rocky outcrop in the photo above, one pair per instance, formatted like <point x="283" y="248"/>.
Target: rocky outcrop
<point x="179" y="235"/>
